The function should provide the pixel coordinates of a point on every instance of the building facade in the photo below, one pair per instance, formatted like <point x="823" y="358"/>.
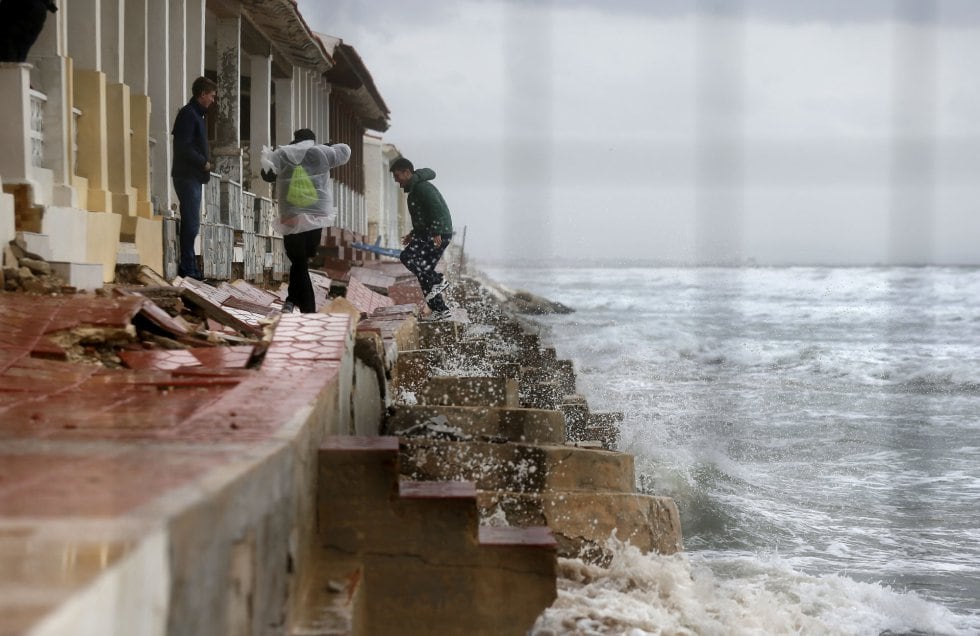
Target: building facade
<point x="87" y="177"/>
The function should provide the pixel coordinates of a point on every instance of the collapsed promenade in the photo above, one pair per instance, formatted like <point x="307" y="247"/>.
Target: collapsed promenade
<point x="354" y="471"/>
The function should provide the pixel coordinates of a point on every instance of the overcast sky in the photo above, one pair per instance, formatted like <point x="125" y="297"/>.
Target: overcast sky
<point x="779" y="131"/>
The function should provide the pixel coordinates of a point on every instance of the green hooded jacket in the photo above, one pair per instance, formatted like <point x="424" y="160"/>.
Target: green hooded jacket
<point x="429" y="212"/>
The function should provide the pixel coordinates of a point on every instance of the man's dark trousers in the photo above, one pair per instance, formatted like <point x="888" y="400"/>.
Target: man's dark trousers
<point x="189" y="194"/>
<point x="301" y="247"/>
<point x="420" y="257"/>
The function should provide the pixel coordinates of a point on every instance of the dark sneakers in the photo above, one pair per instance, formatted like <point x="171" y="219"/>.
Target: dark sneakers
<point x="438" y="316"/>
<point x="437" y="289"/>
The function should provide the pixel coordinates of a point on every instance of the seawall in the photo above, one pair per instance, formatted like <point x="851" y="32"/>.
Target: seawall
<point x="249" y="491"/>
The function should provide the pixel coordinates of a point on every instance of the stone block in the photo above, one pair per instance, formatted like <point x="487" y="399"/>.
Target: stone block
<point x="604" y="427"/>
<point x="438" y="334"/>
<point x="530" y="349"/>
<point x="583" y="521"/>
<point x="413" y="368"/>
<point x="576" y="421"/>
<point x="478" y="422"/>
<point x="86" y="276"/>
<point x="541" y="395"/>
<point x="515" y="467"/>
<point x="469" y="391"/>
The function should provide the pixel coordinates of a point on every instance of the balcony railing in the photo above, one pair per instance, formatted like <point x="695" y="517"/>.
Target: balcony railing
<point x="38" y="99"/>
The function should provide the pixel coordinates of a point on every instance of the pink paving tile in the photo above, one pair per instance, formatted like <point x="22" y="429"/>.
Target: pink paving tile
<point x="365" y="299"/>
<point x="260" y="311"/>
<point x="95" y="484"/>
<point x="400" y="311"/>
<point x="95" y="310"/>
<point x="200" y="398"/>
<point x="45" y="347"/>
<point x="406" y="293"/>
<point x="320" y="279"/>
<point x="371" y="277"/>
<point x="211" y="300"/>
<point x="158" y="360"/>
<point x="255" y="294"/>
<point x="155" y="314"/>
<point x="223" y="357"/>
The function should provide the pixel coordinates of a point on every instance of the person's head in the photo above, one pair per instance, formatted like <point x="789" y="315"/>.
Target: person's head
<point x="204" y="91"/>
<point x="401" y="170"/>
<point x="303" y="134"/>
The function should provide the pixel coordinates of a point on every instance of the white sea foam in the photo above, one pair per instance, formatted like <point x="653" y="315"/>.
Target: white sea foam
<point x="708" y="595"/>
<point x="826" y="415"/>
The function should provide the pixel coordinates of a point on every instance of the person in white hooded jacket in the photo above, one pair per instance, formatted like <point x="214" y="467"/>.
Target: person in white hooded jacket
<point x="301" y="171"/>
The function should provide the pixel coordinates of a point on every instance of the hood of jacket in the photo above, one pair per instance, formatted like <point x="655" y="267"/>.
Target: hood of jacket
<point x="420" y="175"/>
<point x="294" y="153"/>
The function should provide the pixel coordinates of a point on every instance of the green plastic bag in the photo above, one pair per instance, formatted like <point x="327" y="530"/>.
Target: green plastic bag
<point x="302" y="193"/>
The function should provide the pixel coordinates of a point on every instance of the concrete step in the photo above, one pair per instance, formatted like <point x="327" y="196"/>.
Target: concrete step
<point x="427" y="567"/>
<point x="469" y="391"/>
<point x="479" y="422"/>
<point x="582" y="522"/>
<point x="541" y="395"/>
<point x="35" y="243"/>
<point x="7" y="220"/>
<point x="127" y="254"/>
<point x="412" y="368"/>
<point x="333" y="604"/>
<point x="87" y="276"/>
<point x="517" y="467"/>
<point x="604" y="427"/>
<point x="438" y="334"/>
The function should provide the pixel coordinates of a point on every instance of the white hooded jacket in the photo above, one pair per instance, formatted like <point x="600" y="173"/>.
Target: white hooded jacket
<point x="317" y="160"/>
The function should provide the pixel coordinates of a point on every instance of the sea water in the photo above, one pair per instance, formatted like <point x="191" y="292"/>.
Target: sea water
<point x="819" y="429"/>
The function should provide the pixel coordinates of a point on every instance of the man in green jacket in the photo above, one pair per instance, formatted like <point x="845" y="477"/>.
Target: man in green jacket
<point x="432" y="229"/>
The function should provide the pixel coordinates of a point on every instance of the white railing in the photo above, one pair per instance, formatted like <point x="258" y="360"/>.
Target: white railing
<point x="38" y="100"/>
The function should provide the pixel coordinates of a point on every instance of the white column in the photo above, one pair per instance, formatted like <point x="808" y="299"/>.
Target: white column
<point x="195" y="12"/>
<point x="315" y="114"/>
<point x="227" y="150"/>
<point x="260" y="133"/>
<point x="136" y="46"/>
<point x="284" y="110"/>
<point x="140" y="106"/>
<point x="325" y="112"/>
<point x="111" y="41"/>
<point x="161" y="112"/>
<point x="180" y="88"/>
<point x="299" y="116"/>
<point x="85" y="33"/>
<point x="310" y="99"/>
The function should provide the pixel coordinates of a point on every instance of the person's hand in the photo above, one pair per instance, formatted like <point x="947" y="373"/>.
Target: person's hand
<point x="407" y="239"/>
<point x="207" y="166"/>
<point x="437" y="239"/>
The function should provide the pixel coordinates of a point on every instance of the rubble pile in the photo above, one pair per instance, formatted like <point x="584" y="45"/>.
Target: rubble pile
<point x="24" y="271"/>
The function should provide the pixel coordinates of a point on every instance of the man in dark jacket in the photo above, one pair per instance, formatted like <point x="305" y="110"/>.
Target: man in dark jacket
<point x="432" y="229"/>
<point x="21" y="21"/>
<point x="191" y="168"/>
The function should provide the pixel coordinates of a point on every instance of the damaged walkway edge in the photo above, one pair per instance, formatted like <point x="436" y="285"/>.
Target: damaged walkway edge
<point x="263" y="501"/>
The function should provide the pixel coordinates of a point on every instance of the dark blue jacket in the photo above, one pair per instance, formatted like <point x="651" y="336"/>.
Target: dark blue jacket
<point x="190" y="143"/>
